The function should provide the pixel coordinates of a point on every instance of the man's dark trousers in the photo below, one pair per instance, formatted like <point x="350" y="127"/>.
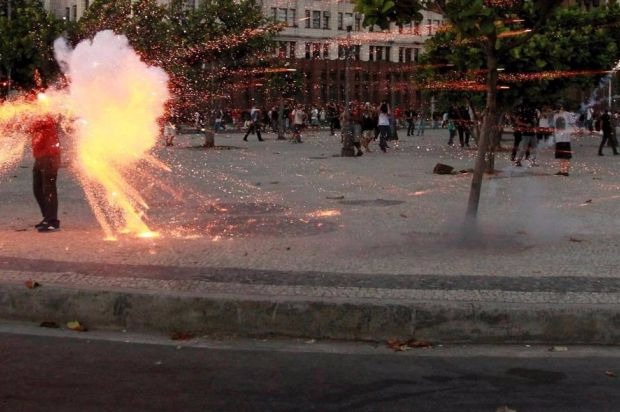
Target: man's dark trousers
<point x="44" y="175"/>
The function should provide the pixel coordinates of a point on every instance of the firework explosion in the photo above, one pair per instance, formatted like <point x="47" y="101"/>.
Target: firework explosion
<point x="116" y="125"/>
<point x="112" y="102"/>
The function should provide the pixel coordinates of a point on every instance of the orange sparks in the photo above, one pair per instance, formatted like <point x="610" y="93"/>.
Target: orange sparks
<point x="116" y="127"/>
<point x="324" y="213"/>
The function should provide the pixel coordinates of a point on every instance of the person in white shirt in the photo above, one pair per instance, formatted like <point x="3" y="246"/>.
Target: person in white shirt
<point x="563" y="125"/>
<point x="384" y="125"/>
<point x="299" y="121"/>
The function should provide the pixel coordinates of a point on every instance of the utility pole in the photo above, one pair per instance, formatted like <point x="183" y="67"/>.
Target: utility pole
<point x="348" y="149"/>
<point x="9" y="69"/>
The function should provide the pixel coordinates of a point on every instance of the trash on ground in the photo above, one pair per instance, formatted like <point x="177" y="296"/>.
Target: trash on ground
<point x="31" y="284"/>
<point x="76" y="326"/>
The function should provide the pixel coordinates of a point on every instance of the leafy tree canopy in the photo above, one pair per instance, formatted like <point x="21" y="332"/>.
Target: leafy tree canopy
<point x="27" y="32"/>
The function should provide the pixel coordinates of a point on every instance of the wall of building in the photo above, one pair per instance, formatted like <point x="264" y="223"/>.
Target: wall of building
<point x="315" y="41"/>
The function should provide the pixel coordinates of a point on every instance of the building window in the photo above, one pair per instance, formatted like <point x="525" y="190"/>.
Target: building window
<point x="358" y="22"/>
<point x="326" y="20"/>
<point x="292" y="15"/>
<point x="86" y="4"/>
<point x="416" y="28"/>
<point x="282" y="15"/>
<point x="340" y="21"/>
<point x="416" y="54"/>
<point x="67" y="13"/>
<point x="326" y="50"/>
<point x="308" y="54"/>
<point x="388" y="54"/>
<point x="316" y="50"/>
<point x="286" y="49"/>
<point x="355" y="52"/>
<point x="274" y="14"/>
<point x="407" y="55"/>
<point x="316" y="19"/>
<point x="429" y="24"/>
<point x="307" y="19"/>
<point x="349" y="19"/>
<point x="74" y="12"/>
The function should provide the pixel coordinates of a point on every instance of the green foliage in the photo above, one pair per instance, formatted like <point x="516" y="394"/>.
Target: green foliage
<point x="26" y="37"/>
<point x="570" y="40"/>
<point x="203" y="49"/>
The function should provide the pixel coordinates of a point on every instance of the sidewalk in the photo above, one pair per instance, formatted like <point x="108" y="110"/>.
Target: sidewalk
<point x="289" y="239"/>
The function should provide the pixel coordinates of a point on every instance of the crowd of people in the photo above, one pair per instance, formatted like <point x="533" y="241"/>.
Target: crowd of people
<point x="531" y="126"/>
<point x="368" y="122"/>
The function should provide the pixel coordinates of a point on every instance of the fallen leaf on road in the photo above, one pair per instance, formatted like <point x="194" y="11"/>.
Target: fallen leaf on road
<point x="76" y="326"/>
<point x="397" y="345"/>
<point x="558" y="349"/>
<point x="49" y="324"/>
<point x="31" y="284"/>
<point x="334" y="197"/>
<point x="611" y="374"/>
<point x="588" y="201"/>
<point x="401" y="346"/>
<point x="412" y="343"/>
<point x="182" y="336"/>
<point x="403" y="215"/>
<point x="574" y="239"/>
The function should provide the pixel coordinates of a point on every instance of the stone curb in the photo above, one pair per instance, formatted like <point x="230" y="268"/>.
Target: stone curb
<point x="313" y="317"/>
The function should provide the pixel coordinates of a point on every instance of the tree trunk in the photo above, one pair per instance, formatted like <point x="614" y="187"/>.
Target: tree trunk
<point x="495" y="142"/>
<point x="488" y="129"/>
<point x="209" y="137"/>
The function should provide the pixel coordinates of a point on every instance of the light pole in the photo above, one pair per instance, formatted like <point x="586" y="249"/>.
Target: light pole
<point x="348" y="149"/>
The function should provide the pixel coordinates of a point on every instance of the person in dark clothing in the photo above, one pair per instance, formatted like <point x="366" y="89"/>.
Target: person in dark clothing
<point x="608" y="129"/>
<point x="410" y="115"/>
<point x="333" y="118"/>
<point x="463" y="120"/>
<point x="255" y="116"/>
<point x="368" y="122"/>
<point x="46" y="152"/>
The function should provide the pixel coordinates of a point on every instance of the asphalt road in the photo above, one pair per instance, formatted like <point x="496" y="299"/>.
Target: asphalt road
<point x="55" y="370"/>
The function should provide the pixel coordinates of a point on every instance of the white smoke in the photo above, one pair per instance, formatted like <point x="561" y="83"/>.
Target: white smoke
<point x="116" y="100"/>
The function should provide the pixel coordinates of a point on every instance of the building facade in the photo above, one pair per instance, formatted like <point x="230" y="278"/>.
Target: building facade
<point x="315" y="41"/>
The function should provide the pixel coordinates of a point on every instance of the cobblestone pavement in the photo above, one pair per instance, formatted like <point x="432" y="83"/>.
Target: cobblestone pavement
<point x="297" y="215"/>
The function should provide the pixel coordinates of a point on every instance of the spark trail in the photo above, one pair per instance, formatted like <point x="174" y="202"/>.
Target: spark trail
<point x="116" y="100"/>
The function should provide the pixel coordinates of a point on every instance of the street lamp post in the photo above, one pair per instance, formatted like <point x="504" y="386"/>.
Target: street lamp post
<point x="348" y="149"/>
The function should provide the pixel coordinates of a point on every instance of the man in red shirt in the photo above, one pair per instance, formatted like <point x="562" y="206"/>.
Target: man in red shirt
<point x="46" y="153"/>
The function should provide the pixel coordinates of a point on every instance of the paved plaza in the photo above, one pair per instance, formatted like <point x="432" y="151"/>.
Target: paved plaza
<point x="276" y="221"/>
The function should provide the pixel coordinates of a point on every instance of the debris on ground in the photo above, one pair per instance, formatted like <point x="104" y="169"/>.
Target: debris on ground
<point x="49" y="324"/>
<point x="443" y="169"/>
<point x="182" y="336"/>
<point x="31" y="284"/>
<point x="401" y="346"/>
<point x="76" y="326"/>
<point x="611" y="374"/>
<point x="558" y="349"/>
